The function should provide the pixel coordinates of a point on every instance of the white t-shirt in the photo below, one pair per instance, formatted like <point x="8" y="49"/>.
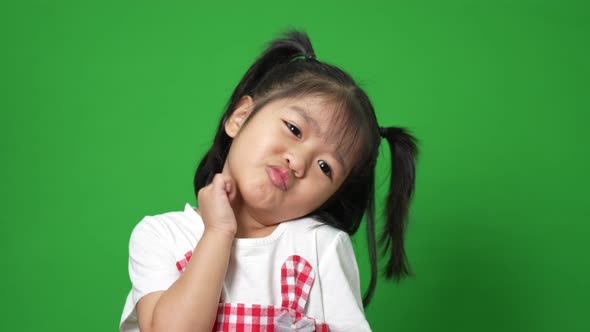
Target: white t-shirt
<point x="253" y="276"/>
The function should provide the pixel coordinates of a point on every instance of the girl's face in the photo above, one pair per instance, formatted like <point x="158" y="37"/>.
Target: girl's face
<point x="284" y="163"/>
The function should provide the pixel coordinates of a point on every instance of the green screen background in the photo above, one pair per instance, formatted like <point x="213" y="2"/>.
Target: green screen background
<point x="107" y="106"/>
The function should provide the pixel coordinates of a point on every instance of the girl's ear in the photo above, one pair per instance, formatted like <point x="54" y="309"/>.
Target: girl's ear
<point x="237" y="118"/>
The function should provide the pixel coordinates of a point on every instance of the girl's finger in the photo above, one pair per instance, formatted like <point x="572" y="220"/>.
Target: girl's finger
<point x="230" y="187"/>
<point x="218" y="182"/>
<point x="226" y="186"/>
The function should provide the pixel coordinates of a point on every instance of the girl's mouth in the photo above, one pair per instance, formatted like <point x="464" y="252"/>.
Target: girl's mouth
<point x="279" y="176"/>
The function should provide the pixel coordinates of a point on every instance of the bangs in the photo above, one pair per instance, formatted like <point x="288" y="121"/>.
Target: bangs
<point x="348" y="130"/>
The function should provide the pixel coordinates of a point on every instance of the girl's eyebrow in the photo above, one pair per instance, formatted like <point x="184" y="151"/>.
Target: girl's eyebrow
<point x="313" y="123"/>
<point x="308" y="119"/>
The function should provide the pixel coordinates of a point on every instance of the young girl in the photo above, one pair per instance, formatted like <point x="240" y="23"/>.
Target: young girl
<point x="288" y="178"/>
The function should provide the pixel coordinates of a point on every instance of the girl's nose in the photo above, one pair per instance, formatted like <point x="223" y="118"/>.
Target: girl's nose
<point x="296" y="164"/>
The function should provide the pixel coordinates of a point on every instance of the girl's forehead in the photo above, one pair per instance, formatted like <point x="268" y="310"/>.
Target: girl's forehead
<point x="314" y="109"/>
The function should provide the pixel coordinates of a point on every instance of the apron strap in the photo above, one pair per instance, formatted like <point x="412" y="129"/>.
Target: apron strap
<point x="297" y="277"/>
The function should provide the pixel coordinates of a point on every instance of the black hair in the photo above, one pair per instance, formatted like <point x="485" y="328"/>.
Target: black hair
<point x="288" y="68"/>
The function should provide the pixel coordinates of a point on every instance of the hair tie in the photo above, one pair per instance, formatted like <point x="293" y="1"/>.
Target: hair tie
<point x="310" y="56"/>
<point x="383" y="131"/>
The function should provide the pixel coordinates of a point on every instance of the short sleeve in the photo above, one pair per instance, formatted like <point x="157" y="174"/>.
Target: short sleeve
<point x="151" y="264"/>
<point x="151" y="259"/>
<point x="341" y="295"/>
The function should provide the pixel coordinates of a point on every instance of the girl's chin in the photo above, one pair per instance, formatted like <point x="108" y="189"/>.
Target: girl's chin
<point x="268" y="203"/>
<point x="260" y="195"/>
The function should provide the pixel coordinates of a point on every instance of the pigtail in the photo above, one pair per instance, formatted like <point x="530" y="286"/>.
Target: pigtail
<point x="404" y="151"/>
<point x="370" y="230"/>
<point x="280" y="51"/>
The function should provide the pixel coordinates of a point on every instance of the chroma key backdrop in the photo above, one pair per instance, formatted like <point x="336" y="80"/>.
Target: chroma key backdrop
<point x="106" y="107"/>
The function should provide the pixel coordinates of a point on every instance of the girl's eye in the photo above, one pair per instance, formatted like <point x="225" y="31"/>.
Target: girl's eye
<point x="325" y="168"/>
<point x="293" y="129"/>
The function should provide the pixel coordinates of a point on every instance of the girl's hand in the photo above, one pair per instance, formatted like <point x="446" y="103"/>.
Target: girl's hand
<point x="215" y="205"/>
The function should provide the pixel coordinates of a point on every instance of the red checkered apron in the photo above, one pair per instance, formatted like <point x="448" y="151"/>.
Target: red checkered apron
<point x="297" y="277"/>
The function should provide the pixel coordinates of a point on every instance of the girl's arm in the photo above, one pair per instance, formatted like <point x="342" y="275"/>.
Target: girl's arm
<point x="191" y="303"/>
